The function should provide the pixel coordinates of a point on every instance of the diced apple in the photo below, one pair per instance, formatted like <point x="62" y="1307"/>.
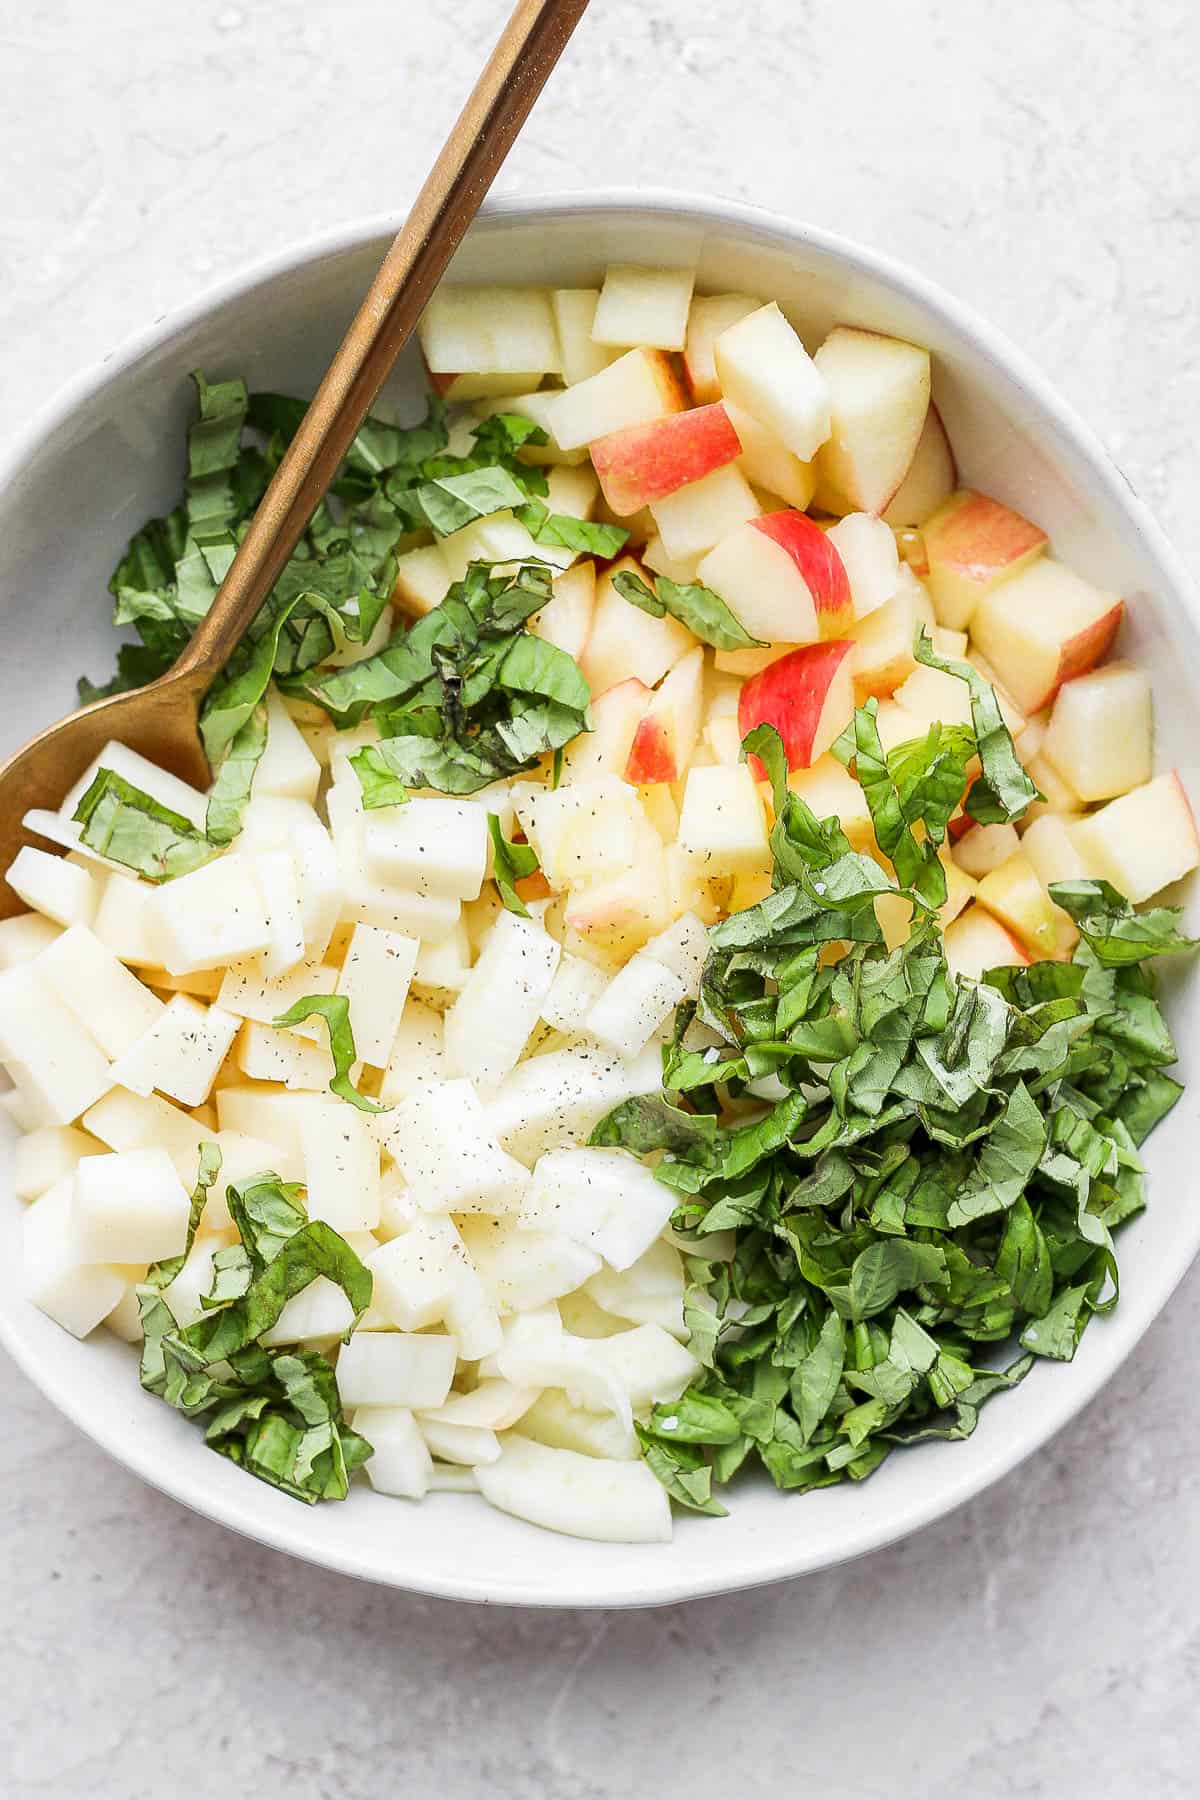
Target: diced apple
<point x="932" y="695"/>
<point x="1015" y="895"/>
<point x="459" y="390"/>
<point x="666" y="735"/>
<point x="681" y="570"/>
<point x="867" y="548"/>
<point x="639" y="386"/>
<point x="1049" y="844"/>
<point x="896" y="725"/>
<point x="831" y="792"/>
<point x="625" y="641"/>
<point x="976" y="941"/>
<point x="724" y="740"/>
<point x="972" y="543"/>
<point x="951" y="646"/>
<point x="1100" y="732"/>
<point x="618" y="912"/>
<point x="768" y="464"/>
<point x="710" y="315"/>
<point x="1060" y="796"/>
<point x="883" y="642"/>
<point x="879" y="401"/>
<point x="572" y="491"/>
<point x="638" y="1000"/>
<point x="982" y="848"/>
<point x="585" y="830"/>
<point x="645" y="463"/>
<point x="744" y="663"/>
<point x="540" y="408"/>
<point x="604" y="750"/>
<point x="695" y="518"/>
<point x="1043" y="627"/>
<point x="574" y="314"/>
<point x="783" y="578"/>
<point x="422" y="581"/>
<point x="643" y="306"/>
<point x="764" y="368"/>
<point x="1142" y="841"/>
<point x="808" y="697"/>
<point x="721" y="822"/>
<point x="566" y="620"/>
<point x="930" y="479"/>
<point x="505" y="330"/>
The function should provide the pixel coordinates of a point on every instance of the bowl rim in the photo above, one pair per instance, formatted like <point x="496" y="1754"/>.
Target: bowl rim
<point x="1067" y="1398"/>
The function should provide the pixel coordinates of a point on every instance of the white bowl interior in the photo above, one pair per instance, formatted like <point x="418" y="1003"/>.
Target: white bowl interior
<point x="110" y="454"/>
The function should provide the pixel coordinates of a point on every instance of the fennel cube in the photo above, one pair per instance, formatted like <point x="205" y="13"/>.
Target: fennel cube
<point x="375" y="979"/>
<point x="214" y="915"/>
<point x="76" y="1295"/>
<point x="53" y="1060"/>
<point x="130" y="1207"/>
<point x="341" y="1166"/>
<point x="181" y="1053"/>
<point x="440" y="1139"/>
<point x="53" y="886"/>
<point x="393" y="1368"/>
<point x="103" y="994"/>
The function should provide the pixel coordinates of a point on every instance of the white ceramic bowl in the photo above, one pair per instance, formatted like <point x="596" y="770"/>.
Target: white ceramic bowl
<point x="108" y="453"/>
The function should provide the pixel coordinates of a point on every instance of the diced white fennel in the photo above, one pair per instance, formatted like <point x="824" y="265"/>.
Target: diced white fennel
<point x="490" y="1406"/>
<point x="614" y="1502"/>
<point x="556" y="1420"/>
<point x="181" y="1052"/>
<point x="341" y="1166"/>
<point x="106" y="998"/>
<point x="215" y="915"/>
<point x="375" y="979"/>
<point x="195" y="1279"/>
<point x="603" y="1199"/>
<point x="683" y="947"/>
<point x="439" y="1138"/>
<point x="279" y="884"/>
<point x="634" y="1004"/>
<point x="51" y="885"/>
<point x="571" y="1363"/>
<point x="552" y="1101"/>
<point x="417" y="1054"/>
<point x="130" y="1206"/>
<point x="75" y="1294"/>
<point x="392" y="1368"/>
<point x="266" y="1054"/>
<point x="53" y="1060"/>
<point x="648" y="1292"/>
<point x="522" y="1268"/>
<point x="25" y="936"/>
<point x="319" y="1315"/>
<point x="490" y="1022"/>
<point x="576" y="987"/>
<point x="250" y="992"/>
<point x="401" y="1464"/>
<point x="43" y="1156"/>
<point x="287" y="767"/>
<point x="648" y="1362"/>
<point x="466" y="1444"/>
<point x="437" y="847"/>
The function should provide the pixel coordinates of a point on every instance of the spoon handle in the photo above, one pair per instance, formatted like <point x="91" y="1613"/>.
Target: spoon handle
<point x="530" y="46"/>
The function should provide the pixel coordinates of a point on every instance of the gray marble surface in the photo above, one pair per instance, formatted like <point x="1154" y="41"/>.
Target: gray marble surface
<point x="1038" y="158"/>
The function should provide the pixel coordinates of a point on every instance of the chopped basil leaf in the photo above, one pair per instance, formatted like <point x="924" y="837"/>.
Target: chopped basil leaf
<point x="581" y="535"/>
<point x="125" y="824"/>
<point x="704" y="613"/>
<point x="1003" y="790"/>
<point x="334" y="1010"/>
<point x="511" y="863"/>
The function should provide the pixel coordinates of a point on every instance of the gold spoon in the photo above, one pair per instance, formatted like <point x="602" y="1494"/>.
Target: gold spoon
<point x="162" y="719"/>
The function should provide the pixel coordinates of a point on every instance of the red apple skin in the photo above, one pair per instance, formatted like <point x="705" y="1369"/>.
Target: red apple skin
<point x="978" y="536"/>
<point x="1086" y="649"/>
<point x="790" y="695"/>
<point x="440" y="383"/>
<point x="647" y="462"/>
<point x="818" y="562"/>
<point x="652" y="756"/>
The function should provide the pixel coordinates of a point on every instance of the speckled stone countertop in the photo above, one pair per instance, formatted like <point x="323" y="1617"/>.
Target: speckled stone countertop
<point x="1040" y="160"/>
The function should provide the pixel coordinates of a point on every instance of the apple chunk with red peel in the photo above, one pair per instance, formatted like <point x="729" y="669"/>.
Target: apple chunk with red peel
<point x="930" y="479"/>
<point x="489" y="330"/>
<point x="604" y="750"/>
<point x="666" y="735"/>
<point x="879" y="399"/>
<point x="648" y="462"/>
<point x="764" y="368"/>
<point x="767" y="463"/>
<point x="1043" y="627"/>
<point x="867" y="548"/>
<point x="1013" y="892"/>
<point x="783" y="578"/>
<point x="972" y="543"/>
<point x="883" y="642"/>
<point x="976" y="941"/>
<point x="624" y="640"/>
<point x="1100" y="732"/>
<point x="711" y="314"/>
<point x="640" y="386"/>
<point x="566" y="619"/>
<point x="808" y="697"/>
<point x="1142" y="841"/>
